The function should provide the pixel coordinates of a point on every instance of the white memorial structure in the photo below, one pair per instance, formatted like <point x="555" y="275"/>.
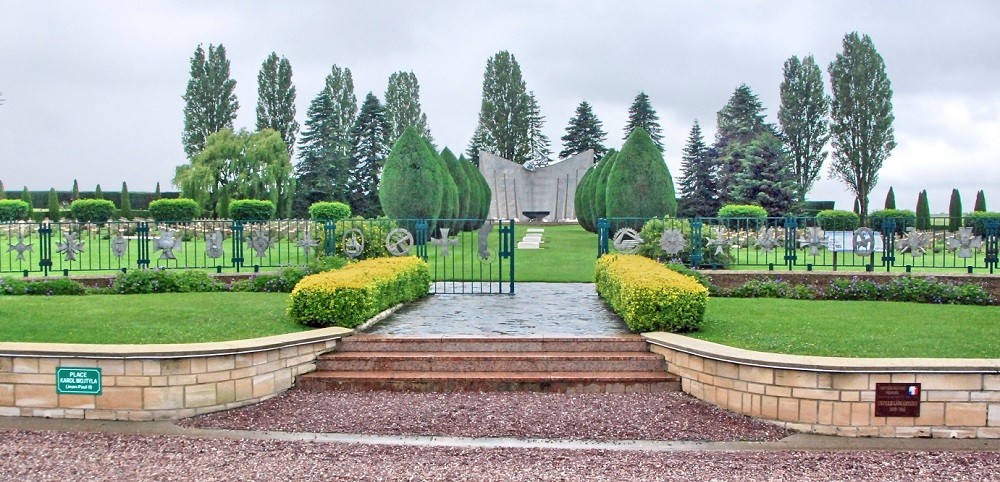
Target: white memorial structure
<point x="517" y="190"/>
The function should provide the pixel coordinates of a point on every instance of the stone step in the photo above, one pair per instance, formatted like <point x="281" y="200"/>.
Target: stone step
<point x="492" y="361"/>
<point x="438" y="344"/>
<point x="560" y="382"/>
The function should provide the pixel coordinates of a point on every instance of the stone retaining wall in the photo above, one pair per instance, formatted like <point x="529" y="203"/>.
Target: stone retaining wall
<point x="157" y="382"/>
<point x="960" y="398"/>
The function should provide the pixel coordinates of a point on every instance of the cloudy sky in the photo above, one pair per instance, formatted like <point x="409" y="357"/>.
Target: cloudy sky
<point x="93" y="89"/>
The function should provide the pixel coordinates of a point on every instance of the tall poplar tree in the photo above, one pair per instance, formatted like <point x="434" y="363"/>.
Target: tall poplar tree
<point x="584" y="132"/>
<point x="402" y="106"/>
<point x="861" y="113"/>
<point x="698" y="187"/>
<point x="641" y="114"/>
<point x="276" y="99"/>
<point x="803" y="118"/>
<point x="539" y="146"/>
<point x="326" y="142"/>
<point x="210" y="103"/>
<point x="371" y="145"/>
<point x="504" y="112"/>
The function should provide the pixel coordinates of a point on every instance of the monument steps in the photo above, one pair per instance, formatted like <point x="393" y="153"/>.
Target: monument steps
<point x="446" y="364"/>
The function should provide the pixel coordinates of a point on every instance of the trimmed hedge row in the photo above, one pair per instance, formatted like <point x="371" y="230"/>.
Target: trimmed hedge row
<point x="648" y="296"/>
<point x="351" y="295"/>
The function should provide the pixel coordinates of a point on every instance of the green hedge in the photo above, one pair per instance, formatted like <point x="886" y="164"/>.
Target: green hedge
<point x="354" y="294"/>
<point x="648" y="296"/>
<point x="904" y="218"/>
<point x="251" y="210"/>
<point x="812" y="208"/>
<point x="329" y="211"/>
<point x="92" y="210"/>
<point x="13" y="210"/>
<point x="182" y="209"/>
<point x="838" y="220"/>
<point x="977" y="221"/>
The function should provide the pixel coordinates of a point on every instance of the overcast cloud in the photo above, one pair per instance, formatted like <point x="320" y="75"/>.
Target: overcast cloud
<point x="93" y="89"/>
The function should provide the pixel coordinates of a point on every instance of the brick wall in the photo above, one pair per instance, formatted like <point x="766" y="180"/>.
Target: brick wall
<point x="157" y="382"/>
<point x="960" y="398"/>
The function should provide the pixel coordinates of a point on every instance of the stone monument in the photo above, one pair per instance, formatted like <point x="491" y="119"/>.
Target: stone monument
<point x="517" y="190"/>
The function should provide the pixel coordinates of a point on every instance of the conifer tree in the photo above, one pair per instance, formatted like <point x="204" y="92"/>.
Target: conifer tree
<point x="861" y="112"/>
<point x="642" y="115"/>
<point x="126" y="204"/>
<point x="890" y="199"/>
<point x="539" y="146"/>
<point x="766" y="178"/>
<point x="504" y="121"/>
<point x="3" y="192"/>
<point x="210" y="103"/>
<point x="75" y="194"/>
<point x="640" y="184"/>
<point x="26" y="197"/>
<point x="98" y="193"/>
<point x="803" y="118"/>
<point x="698" y="189"/>
<point x="55" y="213"/>
<point x="954" y="211"/>
<point x="371" y="146"/>
<point x="276" y="100"/>
<point x="584" y="132"/>
<point x="402" y="106"/>
<point x="156" y="193"/>
<point x="739" y="122"/>
<point x="923" y="211"/>
<point x="980" y="201"/>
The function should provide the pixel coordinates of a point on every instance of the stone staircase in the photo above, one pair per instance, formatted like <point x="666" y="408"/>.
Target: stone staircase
<point x="621" y="364"/>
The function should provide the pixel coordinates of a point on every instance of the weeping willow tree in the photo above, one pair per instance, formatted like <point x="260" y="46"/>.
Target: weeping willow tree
<point x="239" y="165"/>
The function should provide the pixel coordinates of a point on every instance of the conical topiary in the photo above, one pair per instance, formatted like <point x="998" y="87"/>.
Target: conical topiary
<point x="55" y="213"/>
<point x="412" y="181"/>
<point x="980" y="202"/>
<point x="640" y="184"/>
<point x="459" y="175"/>
<point x="955" y="211"/>
<point x="890" y="199"/>
<point x="126" y="204"/>
<point x="583" y="198"/>
<point x="923" y="211"/>
<point x="598" y="205"/>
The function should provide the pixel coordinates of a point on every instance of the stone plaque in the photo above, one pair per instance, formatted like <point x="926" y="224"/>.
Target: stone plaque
<point x="897" y="399"/>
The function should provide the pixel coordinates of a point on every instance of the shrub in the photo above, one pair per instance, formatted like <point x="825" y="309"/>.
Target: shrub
<point x="581" y="202"/>
<point x="285" y="280"/>
<point x="55" y="213"/>
<point x="163" y="281"/>
<point x="648" y="296"/>
<point x="700" y="278"/>
<point x="463" y="189"/>
<point x="772" y="289"/>
<point x="955" y="211"/>
<point x="904" y="218"/>
<point x="329" y="211"/>
<point x="811" y="208"/>
<point x="251" y="210"/>
<point x="92" y="210"/>
<point x="742" y="211"/>
<point x="639" y="184"/>
<point x="179" y="210"/>
<point x="373" y="230"/>
<point x="599" y="198"/>
<point x="977" y="221"/>
<point x="50" y="287"/>
<point x="13" y="210"/>
<point x="412" y="182"/>
<point x="349" y="296"/>
<point x="923" y="211"/>
<point x="838" y="220"/>
<point x="479" y="191"/>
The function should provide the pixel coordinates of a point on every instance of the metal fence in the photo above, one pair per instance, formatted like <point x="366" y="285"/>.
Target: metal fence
<point x="465" y="255"/>
<point x="803" y="243"/>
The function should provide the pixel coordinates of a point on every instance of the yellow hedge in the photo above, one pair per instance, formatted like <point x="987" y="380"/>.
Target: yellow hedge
<point x="648" y="296"/>
<point x="351" y="295"/>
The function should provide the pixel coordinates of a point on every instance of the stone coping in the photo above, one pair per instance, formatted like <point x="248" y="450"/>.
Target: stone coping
<point x="172" y="350"/>
<point x="715" y="351"/>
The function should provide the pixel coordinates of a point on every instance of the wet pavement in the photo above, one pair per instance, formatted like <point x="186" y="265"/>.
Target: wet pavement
<point x="572" y="309"/>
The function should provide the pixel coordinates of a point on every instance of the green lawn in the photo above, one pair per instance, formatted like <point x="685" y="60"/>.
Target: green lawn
<point x="142" y="319"/>
<point x="853" y="328"/>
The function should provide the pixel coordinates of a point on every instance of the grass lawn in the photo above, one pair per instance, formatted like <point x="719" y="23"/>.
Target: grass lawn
<point x="853" y="328"/>
<point x="142" y="319"/>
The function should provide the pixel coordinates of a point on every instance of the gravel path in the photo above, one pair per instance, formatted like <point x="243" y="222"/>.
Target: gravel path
<point x="54" y="456"/>
<point x="647" y="416"/>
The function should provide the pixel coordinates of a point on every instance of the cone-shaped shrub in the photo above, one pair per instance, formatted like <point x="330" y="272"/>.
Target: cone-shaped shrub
<point x="26" y="197"/>
<point x="126" y="207"/>
<point x="412" y="182"/>
<point x="599" y="206"/>
<point x="640" y="184"/>
<point x="955" y="211"/>
<point x="462" y="183"/>
<point x="54" y="212"/>
<point x="923" y="211"/>
<point x="583" y="199"/>
<point x="475" y="186"/>
<point x="484" y="193"/>
<point x="980" y="202"/>
<point x="890" y="199"/>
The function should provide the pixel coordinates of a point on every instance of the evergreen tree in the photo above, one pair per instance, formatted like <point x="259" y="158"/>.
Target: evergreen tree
<point x="599" y="200"/>
<point x="276" y="100"/>
<point x="156" y="193"/>
<point x="955" y="211"/>
<point x="739" y="122"/>
<point x="504" y="121"/>
<point x="98" y="193"/>
<point x="538" y="143"/>
<point x="465" y="195"/>
<point x="980" y="201"/>
<point x="483" y="195"/>
<point x="412" y="185"/>
<point x="75" y="194"/>
<point x="766" y="178"/>
<point x="126" y="204"/>
<point x="923" y="211"/>
<point x="3" y="192"/>
<point x="26" y="197"/>
<point x="326" y="143"/>
<point x="640" y="184"/>
<point x="402" y="106"/>
<point x="861" y="113"/>
<point x="54" y="211"/>
<point x="371" y="146"/>
<point x="584" y="132"/>
<point x="803" y="118"/>
<point x="890" y="199"/>
<point x="210" y="103"/>
<point x="642" y="115"/>
<point x="699" y="192"/>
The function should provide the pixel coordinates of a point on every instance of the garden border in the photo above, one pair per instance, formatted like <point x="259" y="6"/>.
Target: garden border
<point x="960" y="398"/>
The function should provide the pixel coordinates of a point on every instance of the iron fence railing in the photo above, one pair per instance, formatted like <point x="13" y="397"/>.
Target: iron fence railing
<point x="808" y="243"/>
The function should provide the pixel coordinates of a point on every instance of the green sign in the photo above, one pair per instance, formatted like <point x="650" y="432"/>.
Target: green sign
<point x="78" y="381"/>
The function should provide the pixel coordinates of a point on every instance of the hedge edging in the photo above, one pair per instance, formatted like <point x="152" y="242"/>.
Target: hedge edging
<point x="649" y="296"/>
